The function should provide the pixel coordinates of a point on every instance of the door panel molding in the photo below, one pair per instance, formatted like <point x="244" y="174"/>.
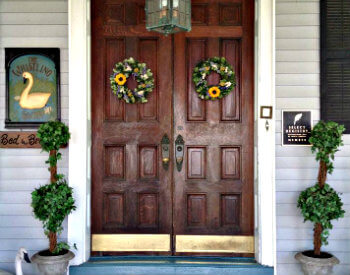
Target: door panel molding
<point x="214" y="244"/>
<point x="131" y="242"/>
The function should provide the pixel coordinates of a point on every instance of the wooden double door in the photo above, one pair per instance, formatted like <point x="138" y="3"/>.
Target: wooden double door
<point x="138" y="205"/>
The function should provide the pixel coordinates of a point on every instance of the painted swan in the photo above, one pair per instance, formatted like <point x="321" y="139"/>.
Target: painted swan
<point x="33" y="100"/>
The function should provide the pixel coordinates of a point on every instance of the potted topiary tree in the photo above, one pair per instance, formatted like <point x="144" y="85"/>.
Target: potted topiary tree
<point x="320" y="203"/>
<point x="53" y="202"/>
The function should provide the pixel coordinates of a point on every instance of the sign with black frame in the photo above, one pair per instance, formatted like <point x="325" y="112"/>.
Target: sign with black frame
<point x="32" y="86"/>
<point x="296" y="128"/>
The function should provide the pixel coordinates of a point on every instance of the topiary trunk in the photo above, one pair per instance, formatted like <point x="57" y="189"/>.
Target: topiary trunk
<point x="53" y="241"/>
<point x="53" y="168"/>
<point x="53" y="179"/>
<point x="322" y="176"/>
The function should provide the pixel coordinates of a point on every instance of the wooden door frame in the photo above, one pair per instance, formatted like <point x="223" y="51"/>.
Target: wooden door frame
<point x="80" y="127"/>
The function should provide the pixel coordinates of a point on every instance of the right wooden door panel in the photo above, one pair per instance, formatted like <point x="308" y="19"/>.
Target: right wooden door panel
<point x="214" y="190"/>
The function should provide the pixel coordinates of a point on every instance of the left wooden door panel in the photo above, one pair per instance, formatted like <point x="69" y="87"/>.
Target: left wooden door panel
<point x="131" y="190"/>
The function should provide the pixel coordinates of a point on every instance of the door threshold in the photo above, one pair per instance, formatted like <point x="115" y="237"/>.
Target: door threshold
<point x="163" y="265"/>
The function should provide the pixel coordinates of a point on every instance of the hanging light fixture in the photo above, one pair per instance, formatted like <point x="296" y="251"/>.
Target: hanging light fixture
<point x="168" y="16"/>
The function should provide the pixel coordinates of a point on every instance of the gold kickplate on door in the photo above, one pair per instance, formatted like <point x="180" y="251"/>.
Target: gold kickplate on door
<point x="214" y="244"/>
<point x="131" y="242"/>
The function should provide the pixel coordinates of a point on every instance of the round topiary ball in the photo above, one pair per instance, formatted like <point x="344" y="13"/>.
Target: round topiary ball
<point x="53" y="135"/>
<point x="321" y="205"/>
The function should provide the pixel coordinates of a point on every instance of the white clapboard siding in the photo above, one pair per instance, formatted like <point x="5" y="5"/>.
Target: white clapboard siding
<point x="294" y="44"/>
<point x="298" y="55"/>
<point x="298" y="87"/>
<point x="21" y="232"/>
<point x="296" y="91"/>
<point x="297" y="79"/>
<point x="298" y="186"/>
<point x="295" y="68"/>
<point x="28" y="23"/>
<point x="297" y="7"/>
<point x="34" y="6"/>
<point x="306" y="234"/>
<point x="25" y="18"/>
<point x="297" y="20"/>
<point x="298" y="103"/>
<point x="298" y="221"/>
<point x="298" y="32"/>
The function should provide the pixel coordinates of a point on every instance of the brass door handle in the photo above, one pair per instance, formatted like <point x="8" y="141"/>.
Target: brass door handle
<point x="179" y="152"/>
<point x="165" y="143"/>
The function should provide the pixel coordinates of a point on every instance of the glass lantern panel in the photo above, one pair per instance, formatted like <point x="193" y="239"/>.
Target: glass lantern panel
<point x="168" y="16"/>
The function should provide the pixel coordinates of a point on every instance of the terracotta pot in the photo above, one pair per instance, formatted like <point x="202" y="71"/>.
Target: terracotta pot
<point x="52" y="265"/>
<point x="316" y="266"/>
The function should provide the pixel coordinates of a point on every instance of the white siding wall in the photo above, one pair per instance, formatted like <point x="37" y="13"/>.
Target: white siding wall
<point x="297" y="87"/>
<point x="27" y="23"/>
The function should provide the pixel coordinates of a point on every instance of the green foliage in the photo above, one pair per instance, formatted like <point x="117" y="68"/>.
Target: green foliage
<point x="52" y="203"/>
<point x="321" y="205"/>
<point x="61" y="246"/>
<point x="53" y="135"/>
<point x="325" y="138"/>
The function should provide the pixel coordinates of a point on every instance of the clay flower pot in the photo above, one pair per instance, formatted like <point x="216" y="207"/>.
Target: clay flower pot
<point x="316" y="266"/>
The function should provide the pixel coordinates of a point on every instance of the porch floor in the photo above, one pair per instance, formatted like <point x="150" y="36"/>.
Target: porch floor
<point x="158" y="265"/>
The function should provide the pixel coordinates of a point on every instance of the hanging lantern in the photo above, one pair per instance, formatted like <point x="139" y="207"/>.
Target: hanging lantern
<point x="168" y="16"/>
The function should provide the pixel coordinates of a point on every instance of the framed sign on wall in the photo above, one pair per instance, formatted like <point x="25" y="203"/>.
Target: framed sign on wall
<point x="296" y="128"/>
<point x="32" y="86"/>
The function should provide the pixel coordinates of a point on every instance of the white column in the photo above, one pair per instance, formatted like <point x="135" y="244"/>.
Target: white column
<point x="265" y="221"/>
<point x="79" y="123"/>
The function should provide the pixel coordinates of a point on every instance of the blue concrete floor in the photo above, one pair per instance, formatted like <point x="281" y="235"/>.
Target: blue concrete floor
<point x="158" y="265"/>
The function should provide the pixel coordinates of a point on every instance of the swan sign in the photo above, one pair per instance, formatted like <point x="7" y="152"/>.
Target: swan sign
<point x="32" y="86"/>
<point x="296" y="127"/>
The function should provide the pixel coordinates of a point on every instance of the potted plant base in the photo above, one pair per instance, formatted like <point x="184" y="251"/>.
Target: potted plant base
<point x="53" y="265"/>
<point x="316" y="265"/>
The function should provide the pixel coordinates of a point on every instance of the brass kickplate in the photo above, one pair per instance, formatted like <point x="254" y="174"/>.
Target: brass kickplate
<point x="214" y="244"/>
<point x="131" y="242"/>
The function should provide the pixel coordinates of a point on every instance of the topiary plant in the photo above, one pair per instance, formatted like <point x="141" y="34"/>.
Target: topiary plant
<point x="53" y="202"/>
<point x="53" y="135"/>
<point x="321" y="204"/>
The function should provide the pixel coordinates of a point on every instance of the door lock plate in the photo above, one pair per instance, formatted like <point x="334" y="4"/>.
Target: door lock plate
<point x="179" y="152"/>
<point x="165" y="143"/>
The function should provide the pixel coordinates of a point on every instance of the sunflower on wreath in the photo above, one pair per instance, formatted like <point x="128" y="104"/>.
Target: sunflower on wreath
<point x="139" y="71"/>
<point x="214" y="65"/>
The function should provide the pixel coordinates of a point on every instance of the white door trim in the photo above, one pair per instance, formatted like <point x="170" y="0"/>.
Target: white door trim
<point x="265" y="217"/>
<point x="79" y="124"/>
<point x="80" y="144"/>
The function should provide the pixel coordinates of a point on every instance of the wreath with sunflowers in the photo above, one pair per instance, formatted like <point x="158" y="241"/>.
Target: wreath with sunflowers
<point x="139" y="71"/>
<point x="204" y="69"/>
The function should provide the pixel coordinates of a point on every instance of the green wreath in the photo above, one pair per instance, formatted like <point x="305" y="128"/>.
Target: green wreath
<point x="227" y="78"/>
<point x="143" y="76"/>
